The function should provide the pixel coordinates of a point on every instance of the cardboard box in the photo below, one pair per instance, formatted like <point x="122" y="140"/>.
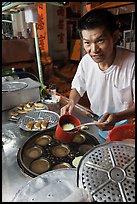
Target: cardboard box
<point x="14" y="98"/>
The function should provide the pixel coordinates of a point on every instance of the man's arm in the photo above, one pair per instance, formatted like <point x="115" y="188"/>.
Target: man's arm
<point x="73" y="100"/>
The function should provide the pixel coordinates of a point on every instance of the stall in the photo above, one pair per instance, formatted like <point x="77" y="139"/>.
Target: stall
<point x="57" y="173"/>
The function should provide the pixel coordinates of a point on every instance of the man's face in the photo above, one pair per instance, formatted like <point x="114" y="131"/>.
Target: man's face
<point x="98" y="43"/>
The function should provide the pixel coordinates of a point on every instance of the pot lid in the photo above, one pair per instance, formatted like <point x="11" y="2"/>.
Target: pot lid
<point x="107" y="172"/>
<point x="10" y="86"/>
<point x="51" y="186"/>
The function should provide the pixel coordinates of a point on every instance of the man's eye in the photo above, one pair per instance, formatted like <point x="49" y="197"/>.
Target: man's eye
<point x="100" y="40"/>
<point x="86" y="43"/>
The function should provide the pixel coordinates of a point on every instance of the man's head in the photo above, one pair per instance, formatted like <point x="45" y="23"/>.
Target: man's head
<point x="96" y="18"/>
<point x="99" y="33"/>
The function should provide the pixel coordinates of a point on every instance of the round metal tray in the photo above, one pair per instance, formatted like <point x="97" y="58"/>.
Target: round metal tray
<point x="51" y="116"/>
<point x="44" y="146"/>
<point x="52" y="186"/>
<point x="10" y="86"/>
<point x="107" y="172"/>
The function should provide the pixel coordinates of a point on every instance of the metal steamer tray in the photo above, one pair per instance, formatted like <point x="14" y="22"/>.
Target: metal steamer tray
<point x="10" y="86"/>
<point x="39" y="115"/>
<point x="107" y="172"/>
<point x="42" y="152"/>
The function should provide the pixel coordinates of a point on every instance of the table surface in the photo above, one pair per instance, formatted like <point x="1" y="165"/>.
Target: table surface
<point x="12" y="176"/>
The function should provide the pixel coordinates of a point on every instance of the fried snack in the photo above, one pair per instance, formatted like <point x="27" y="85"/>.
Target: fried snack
<point x="22" y="111"/>
<point x="39" y="106"/>
<point x="30" y="125"/>
<point x="20" y="106"/>
<point x="37" y="125"/>
<point x="30" y="104"/>
<point x="26" y="108"/>
<point x="44" y="123"/>
<point x="14" y="113"/>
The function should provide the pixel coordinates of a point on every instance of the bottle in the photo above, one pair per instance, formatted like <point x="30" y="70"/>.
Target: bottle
<point x="53" y="92"/>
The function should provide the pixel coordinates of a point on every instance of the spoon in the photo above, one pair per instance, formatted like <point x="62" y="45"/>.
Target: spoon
<point x="84" y="124"/>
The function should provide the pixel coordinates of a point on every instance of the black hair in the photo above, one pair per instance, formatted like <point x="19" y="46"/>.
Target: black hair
<point x="96" y="18"/>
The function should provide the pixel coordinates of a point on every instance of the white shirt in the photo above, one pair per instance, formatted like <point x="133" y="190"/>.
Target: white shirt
<point x="111" y="90"/>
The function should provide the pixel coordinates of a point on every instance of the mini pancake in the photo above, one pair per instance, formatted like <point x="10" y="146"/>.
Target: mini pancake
<point x="62" y="165"/>
<point x="40" y="166"/>
<point x="43" y="140"/>
<point x="34" y="152"/>
<point x="79" y="138"/>
<point x="60" y="151"/>
<point x="22" y="111"/>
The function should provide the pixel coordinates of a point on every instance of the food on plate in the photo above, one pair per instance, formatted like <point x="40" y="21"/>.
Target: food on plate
<point x="39" y="106"/>
<point x="26" y="108"/>
<point x="67" y="126"/>
<point x="22" y="111"/>
<point x="14" y="113"/>
<point x="30" y="125"/>
<point x="44" y="123"/>
<point x="20" y="106"/>
<point x="30" y="104"/>
<point x="37" y="125"/>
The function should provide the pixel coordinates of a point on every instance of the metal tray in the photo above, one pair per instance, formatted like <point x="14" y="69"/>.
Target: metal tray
<point x="107" y="172"/>
<point x="48" y="151"/>
<point x="51" y="116"/>
<point x="13" y="86"/>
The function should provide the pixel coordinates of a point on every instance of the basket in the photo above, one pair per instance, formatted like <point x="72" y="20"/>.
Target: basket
<point x="125" y="131"/>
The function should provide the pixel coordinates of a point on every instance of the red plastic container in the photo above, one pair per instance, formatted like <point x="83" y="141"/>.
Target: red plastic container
<point x="62" y="135"/>
<point x="126" y="131"/>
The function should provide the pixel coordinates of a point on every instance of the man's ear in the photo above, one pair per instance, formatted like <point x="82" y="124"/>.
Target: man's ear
<point x="116" y="36"/>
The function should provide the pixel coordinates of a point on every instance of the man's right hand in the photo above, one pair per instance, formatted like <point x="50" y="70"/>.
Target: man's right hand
<point x="67" y="108"/>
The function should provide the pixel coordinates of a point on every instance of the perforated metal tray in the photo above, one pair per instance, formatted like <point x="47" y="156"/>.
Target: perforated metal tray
<point x="107" y="172"/>
<point x="51" y="116"/>
<point x="10" y="86"/>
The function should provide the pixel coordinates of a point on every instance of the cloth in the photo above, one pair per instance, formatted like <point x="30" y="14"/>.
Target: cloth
<point x="111" y="90"/>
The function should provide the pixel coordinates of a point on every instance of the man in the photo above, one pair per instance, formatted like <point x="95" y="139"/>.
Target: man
<point x="106" y="72"/>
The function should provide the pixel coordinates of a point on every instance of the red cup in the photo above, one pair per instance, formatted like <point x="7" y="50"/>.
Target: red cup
<point x="63" y="135"/>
